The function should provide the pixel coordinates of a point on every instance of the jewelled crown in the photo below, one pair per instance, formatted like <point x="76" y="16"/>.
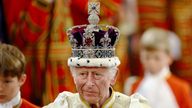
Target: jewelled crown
<point x="93" y="45"/>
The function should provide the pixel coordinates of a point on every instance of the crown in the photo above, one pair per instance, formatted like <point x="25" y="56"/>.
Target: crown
<point x="93" y="45"/>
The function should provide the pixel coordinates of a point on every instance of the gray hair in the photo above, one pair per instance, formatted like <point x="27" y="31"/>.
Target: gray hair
<point x="112" y="71"/>
<point x="158" y="38"/>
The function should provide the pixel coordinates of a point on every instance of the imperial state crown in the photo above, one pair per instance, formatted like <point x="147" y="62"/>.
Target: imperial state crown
<point x="93" y="45"/>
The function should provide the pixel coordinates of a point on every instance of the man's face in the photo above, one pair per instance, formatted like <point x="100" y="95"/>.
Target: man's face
<point x="93" y="83"/>
<point x="154" y="61"/>
<point x="9" y="87"/>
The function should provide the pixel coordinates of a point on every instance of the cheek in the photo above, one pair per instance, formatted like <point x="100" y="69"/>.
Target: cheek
<point x="79" y="83"/>
<point x="15" y="88"/>
<point x="103" y="84"/>
<point x="166" y="61"/>
<point x="145" y="61"/>
<point x="12" y="90"/>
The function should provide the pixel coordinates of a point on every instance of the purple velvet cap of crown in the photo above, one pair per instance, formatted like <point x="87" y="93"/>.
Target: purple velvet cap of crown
<point x="77" y="34"/>
<point x="98" y="43"/>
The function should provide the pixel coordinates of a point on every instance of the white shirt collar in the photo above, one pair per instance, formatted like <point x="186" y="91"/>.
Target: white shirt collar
<point x="13" y="102"/>
<point x="156" y="89"/>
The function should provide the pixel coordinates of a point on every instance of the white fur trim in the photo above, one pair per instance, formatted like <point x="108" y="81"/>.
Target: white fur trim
<point x="93" y="62"/>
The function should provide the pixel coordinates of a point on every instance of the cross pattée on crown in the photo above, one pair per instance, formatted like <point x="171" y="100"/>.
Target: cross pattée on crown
<point x="94" y="8"/>
<point x="93" y="11"/>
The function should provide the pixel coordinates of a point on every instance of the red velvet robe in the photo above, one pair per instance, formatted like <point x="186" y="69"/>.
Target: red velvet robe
<point x="26" y="104"/>
<point x="38" y="28"/>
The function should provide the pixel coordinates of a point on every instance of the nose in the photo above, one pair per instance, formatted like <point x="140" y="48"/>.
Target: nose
<point x="151" y="62"/>
<point x="90" y="80"/>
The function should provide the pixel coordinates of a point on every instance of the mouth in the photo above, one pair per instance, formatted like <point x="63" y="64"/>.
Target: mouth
<point x="90" y="93"/>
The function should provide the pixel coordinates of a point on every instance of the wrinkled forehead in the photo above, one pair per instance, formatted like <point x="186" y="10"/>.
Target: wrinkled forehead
<point x="91" y="69"/>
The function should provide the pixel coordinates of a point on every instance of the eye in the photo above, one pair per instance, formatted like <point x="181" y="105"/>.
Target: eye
<point x="83" y="74"/>
<point x="7" y="81"/>
<point x="97" y="75"/>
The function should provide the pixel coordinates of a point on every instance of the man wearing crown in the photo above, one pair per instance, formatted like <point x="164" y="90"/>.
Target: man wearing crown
<point x="94" y="68"/>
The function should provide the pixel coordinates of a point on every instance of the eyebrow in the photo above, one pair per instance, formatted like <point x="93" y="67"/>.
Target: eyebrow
<point x="84" y="71"/>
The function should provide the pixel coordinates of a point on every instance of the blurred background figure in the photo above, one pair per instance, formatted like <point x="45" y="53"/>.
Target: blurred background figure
<point x="159" y="86"/>
<point x="12" y="77"/>
<point x="169" y="15"/>
<point x="38" y="27"/>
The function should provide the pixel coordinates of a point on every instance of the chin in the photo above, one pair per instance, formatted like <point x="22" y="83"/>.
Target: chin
<point x="91" y="100"/>
<point x="3" y="101"/>
<point x="154" y="73"/>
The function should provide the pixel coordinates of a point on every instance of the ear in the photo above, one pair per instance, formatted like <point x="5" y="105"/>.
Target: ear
<point x="170" y="59"/>
<point x="141" y="56"/>
<point x="22" y="79"/>
<point x="74" y="80"/>
<point x="113" y="80"/>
